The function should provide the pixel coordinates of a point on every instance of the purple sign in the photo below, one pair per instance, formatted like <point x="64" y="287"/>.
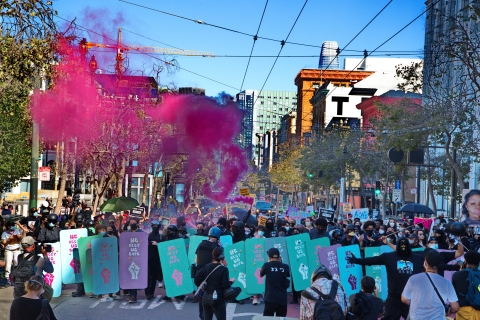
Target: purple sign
<point x="328" y="257"/>
<point x="133" y="265"/>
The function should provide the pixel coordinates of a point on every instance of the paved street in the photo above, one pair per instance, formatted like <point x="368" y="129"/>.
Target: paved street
<point x="84" y="308"/>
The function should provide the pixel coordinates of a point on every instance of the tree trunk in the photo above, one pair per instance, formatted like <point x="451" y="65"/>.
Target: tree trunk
<point x="454" y="164"/>
<point x="120" y="178"/>
<point x="62" y="165"/>
<point x="57" y="156"/>
<point x="144" y="190"/>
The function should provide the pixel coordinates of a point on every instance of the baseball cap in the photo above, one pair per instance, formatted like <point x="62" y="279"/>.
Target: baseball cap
<point x="433" y="258"/>
<point x="273" y="253"/>
<point x="27" y="241"/>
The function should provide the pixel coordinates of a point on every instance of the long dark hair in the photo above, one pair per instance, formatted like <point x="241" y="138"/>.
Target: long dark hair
<point x="467" y="197"/>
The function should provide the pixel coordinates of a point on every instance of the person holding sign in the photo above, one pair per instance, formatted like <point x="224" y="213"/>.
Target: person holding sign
<point x="213" y="298"/>
<point x="276" y="284"/>
<point x="401" y="265"/>
<point x="133" y="227"/>
<point x="154" y="268"/>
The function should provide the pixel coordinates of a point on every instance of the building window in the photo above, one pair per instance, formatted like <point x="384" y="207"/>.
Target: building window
<point x="261" y="102"/>
<point x="269" y="97"/>
<point x="294" y="103"/>
<point x="281" y="109"/>
<point x="286" y="97"/>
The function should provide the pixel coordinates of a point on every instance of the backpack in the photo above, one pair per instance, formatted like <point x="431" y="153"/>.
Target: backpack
<point x="326" y="308"/>
<point x="473" y="292"/>
<point x="44" y="314"/>
<point x="23" y="272"/>
<point x="361" y="305"/>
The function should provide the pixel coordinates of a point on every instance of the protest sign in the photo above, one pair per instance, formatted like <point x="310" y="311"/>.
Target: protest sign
<point x="299" y="215"/>
<point x="226" y="241"/>
<point x="244" y="191"/>
<point x="262" y="220"/>
<point x="54" y="279"/>
<point x="146" y="226"/>
<point x="71" y="272"/>
<point x="328" y="257"/>
<point x="191" y="231"/>
<point x="384" y="249"/>
<point x="105" y="265"/>
<point x="253" y="264"/>
<point x="347" y="207"/>
<point x="280" y="244"/>
<point x="327" y="214"/>
<point x="85" y="252"/>
<point x="427" y="222"/>
<point x="133" y="264"/>
<point x="193" y="245"/>
<point x="361" y="214"/>
<point x="175" y="267"/>
<point x="297" y="254"/>
<point x="350" y="274"/>
<point x="378" y="273"/>
<point x="313" y="247"/>
<point x="235" y="256"/>
<point x="137" y="212"/>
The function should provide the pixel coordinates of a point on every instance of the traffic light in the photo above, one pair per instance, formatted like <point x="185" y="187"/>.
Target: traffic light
<point x="310" y="175"/>
<point x="377" y="188"/>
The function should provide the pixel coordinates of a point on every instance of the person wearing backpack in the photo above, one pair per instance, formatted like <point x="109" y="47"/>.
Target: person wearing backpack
<point x="466" y="284"/>
<point x="30" y="306"/>
<point x="29" y="264"/>
<point x="366" y="305"/>
<point x="324" y="299"/>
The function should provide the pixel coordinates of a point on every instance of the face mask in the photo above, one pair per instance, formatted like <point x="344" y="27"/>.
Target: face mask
<point x="110" y="232"/>
<point x="35" y="214"/>
<point x="369" y="233"/>
<point x="391" y="224"/>
<point x="281" y="234"/>
<point x="12" y="228"/>
<point x="287" y="228"/>
<point x="43" y="290"/>
<point x="308" y="223"/>
<point x="247" y="232"/>
<point x="133" y="226"/>
<point x="401" y="229"/>
<point x="103" y="233"/>
<point x="260" y="233"/>
<point x="381" y="231"/>
<point x="129" y="228"/>
<point x="351" y="234"/>
<point x="434" y="246"/>
<point x="389" y="240"/>
<point x="411" y="241"/>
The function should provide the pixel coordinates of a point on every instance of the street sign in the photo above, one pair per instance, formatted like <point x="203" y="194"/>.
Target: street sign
<point x="397" y="195"/>
<point x="397" y="184"/>
<point x="44" y="173"/>
<point x="413" y="190"/>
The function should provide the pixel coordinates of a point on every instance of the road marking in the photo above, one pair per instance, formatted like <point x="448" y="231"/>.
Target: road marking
<point x="246" y="314"/>
<point x="231" y="310"/>
<point x="155" y="303"/>
<point x="179" y="304"/>
<point x="111" y="305"/>
<point x="94" y="304"/>
<point x="131" y="306"/>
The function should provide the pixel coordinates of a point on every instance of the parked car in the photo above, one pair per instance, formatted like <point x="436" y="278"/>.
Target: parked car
<point x="263" y="207"/>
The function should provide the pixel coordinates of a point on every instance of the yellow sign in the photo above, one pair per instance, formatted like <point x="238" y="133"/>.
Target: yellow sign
<point x="262" y="221"/>
<point x="347" y="208"/>
<point x="244" y="191"/>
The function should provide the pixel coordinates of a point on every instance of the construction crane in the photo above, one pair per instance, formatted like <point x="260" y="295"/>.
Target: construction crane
<point x="123" y="49"/>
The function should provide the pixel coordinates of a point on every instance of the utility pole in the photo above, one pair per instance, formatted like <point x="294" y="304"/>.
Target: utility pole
<point x="453" y="189"/>
<point x="34" y="166"/>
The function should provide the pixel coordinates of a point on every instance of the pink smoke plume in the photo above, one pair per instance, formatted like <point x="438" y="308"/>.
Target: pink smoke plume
<point x="242" y="199"/>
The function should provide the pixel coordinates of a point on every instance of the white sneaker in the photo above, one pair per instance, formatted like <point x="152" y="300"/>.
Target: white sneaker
<point x="106" y="299"/>
<point x="160" y="284"/>
<point x="115" y="297"/>
<point x="255" y="301"/>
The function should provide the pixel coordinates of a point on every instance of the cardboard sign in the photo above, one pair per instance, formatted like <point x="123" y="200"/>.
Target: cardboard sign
<point x="327" y="214"/>
<point x="105" y="265"/>
<point x="175" y="267"/>
<point x="226" y="241"/>
<point x="347" y="208"/>
<point x="297" y="252"/>
<point x="350" y="274"/>
<point x="362" y="214"/>
<point x="137" y="212"/>
<point x="244" y="191"/>
<point x="262" y="221"/>
<point x="379" y="273"/>
<point x="133" y="264"/>
<point x="54" y="279"/>
<point x="280" y="244"/>
<point x="328" y="257"/>
<point x="235" y="256"/>
<point x="85" y="252"/>
<point x="313" y="250"/>
<point x="193" y="245"/>
<point x="71" y="271"/>
<point x="253" y="264"/>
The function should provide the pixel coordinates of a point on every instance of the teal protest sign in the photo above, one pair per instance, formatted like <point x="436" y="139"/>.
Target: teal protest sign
<point x="175" y="267"/>
<point x="226" y="241"/>
<point x="378" y="273"/>
<point x="191" y="231"/>
<point x="105" y="265"/>
<point x="313" y="250"/>
<point x="235" y="256"/>
<point x="297" y="253"/>
<point x="280" y="244"/>
<point x="85" y="252"/>
<point x="54" y="279"/>
<point x="254" y="261"/>
<point x="385" y="249"/>
<point x="350" y="274"/>
<point x="193" y="245"/>
<point x="71" y="271"/>
<point x="418" y="249"/>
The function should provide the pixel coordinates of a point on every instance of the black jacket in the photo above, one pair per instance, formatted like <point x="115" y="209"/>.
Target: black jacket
<point x="218" y="280"/>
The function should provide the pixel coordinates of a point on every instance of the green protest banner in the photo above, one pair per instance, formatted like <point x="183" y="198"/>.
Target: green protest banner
<point x="193" y="245"/>
<point x="297" y="252"/>
<point x="280" y="244"/>
<point x="85" y="252"/>
<point x="175" y="267"/>
<point x="313" y="248"/>
<point x="418" y="249"/>
<point x="253" y="264"/>
<point x="235" y="256"/>
<point x="379" y="273"/>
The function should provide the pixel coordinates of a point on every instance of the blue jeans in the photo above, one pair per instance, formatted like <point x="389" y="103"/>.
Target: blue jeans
<point x="133" y="293"/>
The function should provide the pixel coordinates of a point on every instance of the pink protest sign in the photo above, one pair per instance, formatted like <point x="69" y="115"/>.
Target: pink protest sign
<point x="133" y="266"/>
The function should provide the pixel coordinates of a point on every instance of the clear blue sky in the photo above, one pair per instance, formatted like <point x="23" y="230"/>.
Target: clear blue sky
<point x="321" y="20"/>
